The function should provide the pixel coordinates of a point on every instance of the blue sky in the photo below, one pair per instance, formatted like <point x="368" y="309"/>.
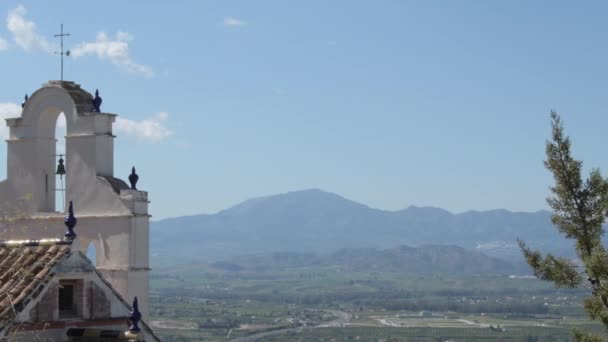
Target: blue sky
<point x="390" y="103"/>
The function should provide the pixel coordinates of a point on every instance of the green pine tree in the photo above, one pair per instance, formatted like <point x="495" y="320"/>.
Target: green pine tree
<point x="580" y="207"/>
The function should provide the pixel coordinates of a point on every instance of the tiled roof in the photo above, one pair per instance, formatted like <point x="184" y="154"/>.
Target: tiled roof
<point x="82" y="98"/>
<point x="25" y="268"/>
<point x="116" y="183"/>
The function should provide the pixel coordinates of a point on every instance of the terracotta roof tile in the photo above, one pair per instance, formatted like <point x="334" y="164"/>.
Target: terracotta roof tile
<point x="24" y="269"/>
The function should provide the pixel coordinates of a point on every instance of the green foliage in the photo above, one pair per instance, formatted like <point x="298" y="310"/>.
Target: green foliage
<point x="584" y="337"/>
<point x="579" y="211"/>
<point x="561" y="271"/>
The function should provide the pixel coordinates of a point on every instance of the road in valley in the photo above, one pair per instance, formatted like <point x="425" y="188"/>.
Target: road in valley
<point x="258" y="336"/>
<point x="341" y="319"/>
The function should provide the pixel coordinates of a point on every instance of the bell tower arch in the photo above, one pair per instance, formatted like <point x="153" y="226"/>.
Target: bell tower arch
<point x="112" y="215"/>
<point x="31" y="151"/>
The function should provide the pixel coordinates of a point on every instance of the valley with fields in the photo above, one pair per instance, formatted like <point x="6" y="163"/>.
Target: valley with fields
<point x="319" y="303"/>
<point x="363" y="290"/>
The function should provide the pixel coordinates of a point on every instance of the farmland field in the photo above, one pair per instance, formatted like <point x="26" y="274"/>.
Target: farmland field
<point x="196" y="303"/>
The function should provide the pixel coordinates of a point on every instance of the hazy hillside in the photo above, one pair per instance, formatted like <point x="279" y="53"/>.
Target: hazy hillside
<point x="419" y="260"/>
<point x="318" y="221"/>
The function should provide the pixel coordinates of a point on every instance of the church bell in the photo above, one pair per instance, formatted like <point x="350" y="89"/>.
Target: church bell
<point x="60" y="167"/>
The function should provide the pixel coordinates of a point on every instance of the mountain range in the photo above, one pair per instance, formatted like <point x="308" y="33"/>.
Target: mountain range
<point x="444" y="259"/>
<point x="316" y="221"/>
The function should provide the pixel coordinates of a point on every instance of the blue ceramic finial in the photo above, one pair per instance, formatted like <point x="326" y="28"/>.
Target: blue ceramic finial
<point x="135" y="317"/>
<point x="97" y="102"/>
<point x="70" y="222"/>
<point x="24" y="101"/>
<point x="133" y="178"/>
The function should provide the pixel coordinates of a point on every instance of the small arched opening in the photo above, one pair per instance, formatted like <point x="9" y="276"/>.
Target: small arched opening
<point x="92" y="252"/>
<point x="60" y="170"/>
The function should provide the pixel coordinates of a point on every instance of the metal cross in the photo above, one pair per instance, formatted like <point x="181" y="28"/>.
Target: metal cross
<point x="67" y="53"/>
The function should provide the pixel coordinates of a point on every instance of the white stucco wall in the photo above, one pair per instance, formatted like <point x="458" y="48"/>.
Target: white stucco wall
<point x="117" y="223"/>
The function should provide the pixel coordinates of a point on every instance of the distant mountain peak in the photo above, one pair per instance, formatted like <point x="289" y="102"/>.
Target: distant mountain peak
<point x="427" y="209"/>
<point x="315" y="220"/>
<point x="309" y="198"/>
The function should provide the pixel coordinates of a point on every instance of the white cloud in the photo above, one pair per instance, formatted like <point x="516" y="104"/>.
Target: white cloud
<point x="3" y="44"/>
<point x="8" y="110"/>
<point x="115" y="50"/>
<point x="152" y="129"/>
<point x="25" y="32"/>
<point x="231" y="22"/>
<point x="26" y="35"/>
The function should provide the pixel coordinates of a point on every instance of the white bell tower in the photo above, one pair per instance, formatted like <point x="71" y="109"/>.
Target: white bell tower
<point x="112" y="215"/>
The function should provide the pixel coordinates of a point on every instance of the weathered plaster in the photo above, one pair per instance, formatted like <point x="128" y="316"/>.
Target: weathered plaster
<point x="115" y="220"/>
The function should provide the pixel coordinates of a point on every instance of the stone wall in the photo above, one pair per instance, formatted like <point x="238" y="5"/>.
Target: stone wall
<point x="45" y="310"/>
<point x="99" y="304"/>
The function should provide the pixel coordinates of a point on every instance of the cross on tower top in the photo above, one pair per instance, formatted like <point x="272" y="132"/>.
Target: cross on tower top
<point x="66" y="53"/>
